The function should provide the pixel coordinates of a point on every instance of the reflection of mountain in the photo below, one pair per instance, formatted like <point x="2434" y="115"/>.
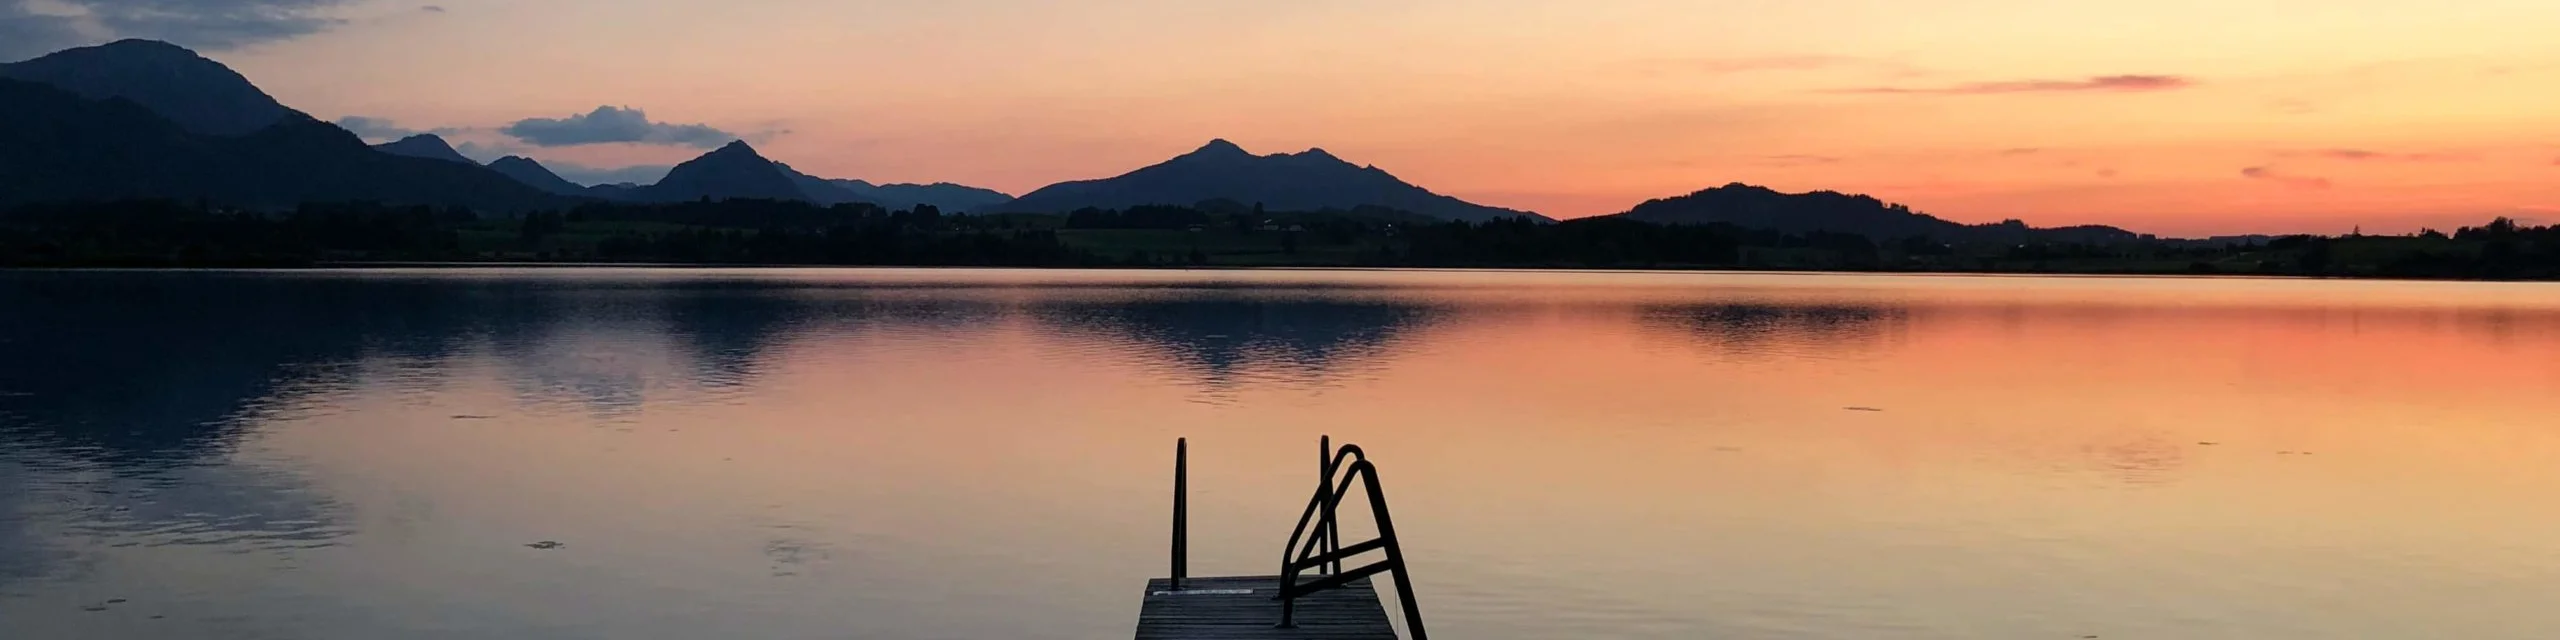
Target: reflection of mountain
<point x="1228" y="340"/>
<point x="152" y="370"/>
<point x="124" y="396"/>
<point x="156" y="369"/>
<point x="1759" y="329"/>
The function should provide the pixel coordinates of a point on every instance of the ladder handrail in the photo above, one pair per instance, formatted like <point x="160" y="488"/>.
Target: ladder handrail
<point x="1299" y="557"/>
<point x="1326" y="499"/>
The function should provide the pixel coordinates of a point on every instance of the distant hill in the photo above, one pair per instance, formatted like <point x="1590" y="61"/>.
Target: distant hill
<point x="1306" y="181"/>
<point x="56" y="145"/>
<point x="1753" y="207"/>
<point x="200" y="95"/>
<point x="950" y="198"/>
<point x="730" y="172"/>
<point x="533" y="174"/>
<point x="424" y="145"/>
<point x="822" y="191"/>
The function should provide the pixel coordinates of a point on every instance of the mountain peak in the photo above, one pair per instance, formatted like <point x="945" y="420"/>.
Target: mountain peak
<point x="1218" y="147"/>
<point x="1317" y="153"/>
<point x="199" y="94"/>
<point x="533" y="174"/>
<point x="734" y="170"/>
<point x="1312" y="180"/>
<point x="424" y="145"/>
<point x="145" y="45"/>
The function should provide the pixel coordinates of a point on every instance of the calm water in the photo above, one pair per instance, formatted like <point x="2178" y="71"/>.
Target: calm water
<point x="985" y="454"/>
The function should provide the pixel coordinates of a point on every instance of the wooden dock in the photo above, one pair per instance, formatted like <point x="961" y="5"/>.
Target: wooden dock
<point x="1242" y="608"/>
<point x="1314" y="597"/>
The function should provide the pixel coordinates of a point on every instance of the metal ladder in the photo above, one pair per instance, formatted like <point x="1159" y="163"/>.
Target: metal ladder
<point x="1315" y="551"/>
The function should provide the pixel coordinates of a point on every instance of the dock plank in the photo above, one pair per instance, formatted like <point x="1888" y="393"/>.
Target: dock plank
<point x="1243" y="608"/>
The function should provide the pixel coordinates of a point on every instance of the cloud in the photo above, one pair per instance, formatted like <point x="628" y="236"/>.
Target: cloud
<point x="2095" y="84"/>
<point x="30" y="28"/>
<point x="2107" y="173"/>
<point x="27" y="34"/>
<point x="611" y="125"/>
<point x="2367" y="155"/>
<point x="2020" y="151"/>
<point x="2294" y="107"/>
<point x="2271" y="175"/>
<point x="487" y="152"/>
<point x="433" y="8"/>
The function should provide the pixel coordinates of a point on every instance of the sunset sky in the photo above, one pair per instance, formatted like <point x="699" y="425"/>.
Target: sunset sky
<point x="2167" y="116"/>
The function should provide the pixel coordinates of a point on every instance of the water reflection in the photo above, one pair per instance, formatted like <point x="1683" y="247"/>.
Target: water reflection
<point x="1761" y="331"/>
<point x="886" y="441"/>
<point x="1224" y="341"/>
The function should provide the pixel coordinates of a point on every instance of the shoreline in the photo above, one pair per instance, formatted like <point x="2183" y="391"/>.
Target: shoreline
<point x="686" y="266"/>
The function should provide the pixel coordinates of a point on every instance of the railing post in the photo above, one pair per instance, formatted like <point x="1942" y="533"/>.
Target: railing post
<point x="1330" y="529"/>
<point x="1395" y="556"/>
<point x="1181" y="533"/>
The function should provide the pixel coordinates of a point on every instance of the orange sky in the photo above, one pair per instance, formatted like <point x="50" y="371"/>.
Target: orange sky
<point x="2166" y="116"/>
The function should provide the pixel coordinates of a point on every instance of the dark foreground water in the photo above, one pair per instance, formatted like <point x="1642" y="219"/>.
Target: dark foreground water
<point x="985" y="454"/>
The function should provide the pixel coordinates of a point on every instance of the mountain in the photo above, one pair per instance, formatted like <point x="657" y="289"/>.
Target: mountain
<point x="57" y="145"/>
<point x="822" y="191"/>
<point x="533" y="174"/>
<point x="950" y="198"/>
<point x="1754" y="207"/>
<point x="733" y="171"/>
<point x="1305" y="181"/>
<point x="200" y="95"/>
<point x="944" y="196"/>
<point x="424" y="145"/>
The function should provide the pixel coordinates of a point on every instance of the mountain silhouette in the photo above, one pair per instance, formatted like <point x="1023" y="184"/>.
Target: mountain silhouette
<point x="948" y="197"/>
<point x="424" y="145"/>
<point x="533" y="174"/>
<point x="56" y="145"/>
<point x="943" y="196"/>
<point x="1755" y="207"/>
<point x="822" y="191"/>
<point x="1305" y="181"/>
<point x="733" y="171"/>
<point x="200" y="95"/>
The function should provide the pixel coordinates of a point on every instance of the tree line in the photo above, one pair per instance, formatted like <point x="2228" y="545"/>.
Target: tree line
<point x="161" y="233"/>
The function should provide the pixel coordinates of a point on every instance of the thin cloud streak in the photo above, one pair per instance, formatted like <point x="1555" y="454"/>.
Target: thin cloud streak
<point x="2095" y="84"/>
<point x="28" y="28"/>
<point x="2270" y="174"/>
<point x="2368" y="155"/>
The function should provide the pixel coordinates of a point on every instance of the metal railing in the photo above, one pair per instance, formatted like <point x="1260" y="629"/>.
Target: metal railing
<point x="1316" y="544"/>
<point x="1181" y="515"/>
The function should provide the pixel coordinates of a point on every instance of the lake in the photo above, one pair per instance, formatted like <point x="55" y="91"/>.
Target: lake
<point x="980" y="454"/>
